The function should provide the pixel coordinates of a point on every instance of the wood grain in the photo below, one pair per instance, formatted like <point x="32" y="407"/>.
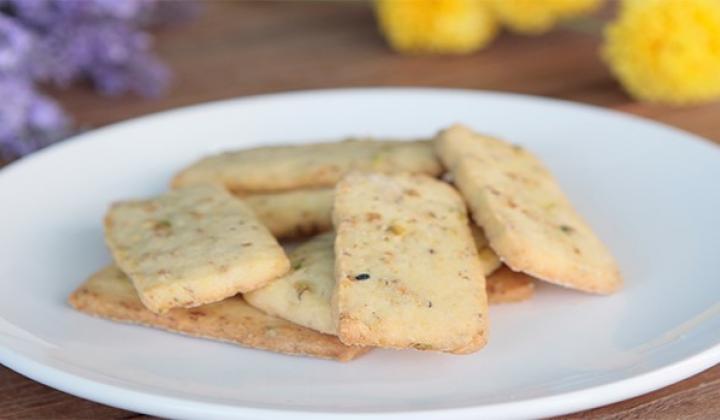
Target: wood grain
<point x="247" y="48"/>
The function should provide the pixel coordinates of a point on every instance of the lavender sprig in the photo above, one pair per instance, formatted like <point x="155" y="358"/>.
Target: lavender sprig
<point x="61" y="42"/>
<point x="28" y="119"/>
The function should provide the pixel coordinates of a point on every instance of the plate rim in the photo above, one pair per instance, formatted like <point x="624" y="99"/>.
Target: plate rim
<point x="163" y="405"/>
<point x="85" y="136"/>
<point x="175" y="407"/>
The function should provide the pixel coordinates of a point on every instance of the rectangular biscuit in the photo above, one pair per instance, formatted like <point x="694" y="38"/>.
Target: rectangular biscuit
<point x="109" y="294"/>
<point x="527" y="219"/>
<point x="192" y="246"/>
<point x="406" y="267"/>
<point x="293" y="214"/>
<point x="277" y="168"/>
<point x="303" y="296"/>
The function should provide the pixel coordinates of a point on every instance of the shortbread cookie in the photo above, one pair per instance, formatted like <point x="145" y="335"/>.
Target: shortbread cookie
<point x="293" y="214"/>
<point x="507" y="286"/>
<point x="277" y="168"/>
<point x="527" y="219"/>
<point x="192" y="246"/>
<point x="406" y="267"/>
<point x="303" y="295"/>
<point x="109" y="294"/>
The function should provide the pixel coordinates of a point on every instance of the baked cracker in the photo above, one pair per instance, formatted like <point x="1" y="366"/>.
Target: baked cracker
<point x="527" y="219"/>
<point x="109" y="294"/>
<point x="192" y="246"/>
<point x="279" y="168"/>
<point x="406" y="267"/>
<point x="303" y="295"/>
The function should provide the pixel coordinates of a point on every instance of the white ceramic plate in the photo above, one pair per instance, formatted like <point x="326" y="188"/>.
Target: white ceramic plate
<point x="650" y="191"/>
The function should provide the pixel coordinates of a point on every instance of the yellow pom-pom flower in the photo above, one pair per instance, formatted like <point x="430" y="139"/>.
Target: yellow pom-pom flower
<point x="436" y="26"/>
<point x="666" y="50"/>
<point x="538" y="16"/>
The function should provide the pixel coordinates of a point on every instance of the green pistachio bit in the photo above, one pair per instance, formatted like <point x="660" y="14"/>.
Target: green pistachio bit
<point x="300" y="288"/>
<point x="567" y="229"/>
<point x="296" y="265"/>
<point x="422" y="346"/>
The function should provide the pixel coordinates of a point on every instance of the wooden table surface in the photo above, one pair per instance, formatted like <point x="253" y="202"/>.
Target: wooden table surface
<point x="247" y="48"/>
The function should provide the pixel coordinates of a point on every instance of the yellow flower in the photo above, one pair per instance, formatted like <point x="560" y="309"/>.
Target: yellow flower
<point x="666" y="50"/>
<point x="537" y="16"/>
<point x="436" y="26"/>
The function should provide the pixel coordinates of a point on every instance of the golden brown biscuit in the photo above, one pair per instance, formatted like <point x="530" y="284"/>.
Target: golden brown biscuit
<point x="527" y="219"/>
<point x="280" y="168"/>
<point x="406" y="267"/>
<point x="192" y="246"/>
<point x="109" y="294"/>
<point x="303" y="295"/>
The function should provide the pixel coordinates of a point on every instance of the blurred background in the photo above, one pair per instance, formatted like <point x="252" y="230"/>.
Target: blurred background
<point x="72" y="65"/>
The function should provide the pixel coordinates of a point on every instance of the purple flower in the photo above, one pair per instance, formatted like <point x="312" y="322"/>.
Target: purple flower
<point x="42" y="13"/>
<point x="121" y="10"/>
<point x="113" y="55"/>
<point x="15" y="45"/>
<point x="65" y="41"/>
<point x="28" y="120"/>
<point x="45" y="115"/>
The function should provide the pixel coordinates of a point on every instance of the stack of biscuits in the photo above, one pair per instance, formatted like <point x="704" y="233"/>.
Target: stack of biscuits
<point x="402" y="245"/>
